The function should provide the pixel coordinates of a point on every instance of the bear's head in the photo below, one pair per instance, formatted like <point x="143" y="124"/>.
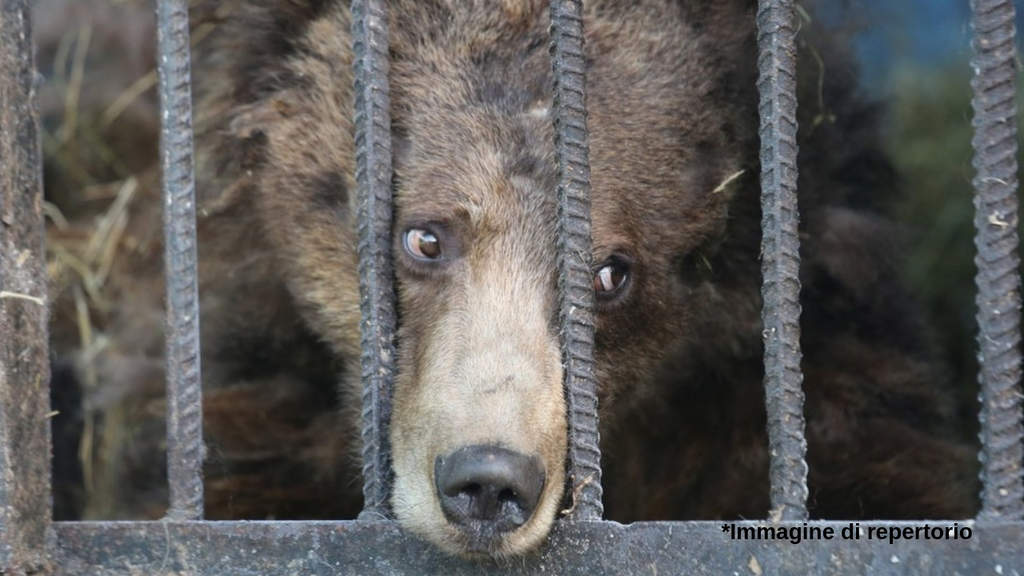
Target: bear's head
<point x="478" y="429"/>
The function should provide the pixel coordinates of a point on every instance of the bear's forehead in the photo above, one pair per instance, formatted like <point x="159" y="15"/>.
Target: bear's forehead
<point x="471" y="108"/>
<point x="477" y="168"/>
<point x="476" y="55"/>
<point x="471" y="111"/>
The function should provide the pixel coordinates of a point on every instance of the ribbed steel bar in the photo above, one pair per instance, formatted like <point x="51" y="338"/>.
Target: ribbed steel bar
<point x="575" y="277"/>
<point x="998" y="275"/>
<point x="185" y="450"/>
<point x="25" y="496"/>
<point x="573" y="549"/>
<point x="376" y="276"/>
<point x="780" y="258"/>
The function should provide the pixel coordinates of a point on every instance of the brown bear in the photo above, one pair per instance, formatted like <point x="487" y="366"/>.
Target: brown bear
<point x="478" y="431"/>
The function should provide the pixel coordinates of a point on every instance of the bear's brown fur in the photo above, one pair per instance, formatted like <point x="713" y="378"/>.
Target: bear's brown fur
<point x="672" y="116"/>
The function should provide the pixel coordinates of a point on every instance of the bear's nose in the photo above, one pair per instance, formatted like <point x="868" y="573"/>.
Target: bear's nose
<point x="488" y="489"/>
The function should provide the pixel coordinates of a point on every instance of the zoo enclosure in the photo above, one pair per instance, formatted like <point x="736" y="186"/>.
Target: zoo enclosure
<point x="182" y="543"/>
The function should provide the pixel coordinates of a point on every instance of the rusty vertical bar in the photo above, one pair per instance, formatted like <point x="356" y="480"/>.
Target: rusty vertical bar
<point x="376" y="276"/>
<point x="24" y="357"/>
<point x="998" y="275"/>
<point x="575" y="277"/>
<point x="780" y="258"/>
<point x="185" y="450"/>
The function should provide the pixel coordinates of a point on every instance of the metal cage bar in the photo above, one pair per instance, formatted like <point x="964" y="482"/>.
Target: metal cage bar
<point x="998" y="275"/>
<point x="376" y="276"/>
<point x="575" y="277"/>
<point x="780" y="258"/>
<point x="573" y="549"/>
<point x="24" y="349"/>
<point x="185" y="450"/>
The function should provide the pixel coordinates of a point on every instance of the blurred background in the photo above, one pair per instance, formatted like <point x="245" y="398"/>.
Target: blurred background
<point x="914" y="56"/>
<point x="100" y="135"/>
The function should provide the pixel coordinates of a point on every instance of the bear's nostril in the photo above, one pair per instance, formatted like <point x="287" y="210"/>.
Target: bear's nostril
<point x="488" y="488"/>
<point x="471" y="490"/>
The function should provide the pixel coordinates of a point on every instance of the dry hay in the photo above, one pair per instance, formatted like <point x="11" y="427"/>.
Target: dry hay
<point x="99" y="130"/>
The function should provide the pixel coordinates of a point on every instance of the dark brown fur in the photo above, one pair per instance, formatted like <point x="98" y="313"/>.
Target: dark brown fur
<point x="672" y="115"/>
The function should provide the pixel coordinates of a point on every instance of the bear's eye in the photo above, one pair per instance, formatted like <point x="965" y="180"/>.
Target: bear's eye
<point x="610" y="278"/>
<point x="422" y="244"/>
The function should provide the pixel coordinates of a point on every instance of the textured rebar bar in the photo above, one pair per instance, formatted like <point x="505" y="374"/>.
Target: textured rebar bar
<point x="185" y="449"/>
<point x="25" y="496"/>
<point x="780" y="259"/>
<point x="376" y="276"/>
<point x="575" y="277"/>
<point x="998" y="275"/>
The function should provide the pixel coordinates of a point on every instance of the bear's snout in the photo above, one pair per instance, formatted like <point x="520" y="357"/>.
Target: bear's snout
<point x="487" y="491"/>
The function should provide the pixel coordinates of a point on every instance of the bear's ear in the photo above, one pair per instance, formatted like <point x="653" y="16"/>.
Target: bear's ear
<point x="730" y="183"/>
<point x="723" y="186"/>
<point x="717" y="14"/>
<point x="235" y="146"/>
<point x="731" y="194"/>
<point x="252" y="120"/>
<point x="730" y="187"/>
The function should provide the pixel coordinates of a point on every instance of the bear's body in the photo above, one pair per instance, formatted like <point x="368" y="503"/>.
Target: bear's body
<point x="672" y="116"/>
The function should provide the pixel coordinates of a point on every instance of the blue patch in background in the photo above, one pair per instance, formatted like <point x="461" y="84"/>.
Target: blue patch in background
<point x="929" y="33"/>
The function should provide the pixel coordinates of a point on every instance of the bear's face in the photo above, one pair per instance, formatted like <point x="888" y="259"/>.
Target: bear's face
<point x="479" y="361"/>
<point x="478" y="429"/>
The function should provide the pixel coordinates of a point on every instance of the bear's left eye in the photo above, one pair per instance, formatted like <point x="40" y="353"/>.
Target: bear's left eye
<point x="610" y="278"/>
<point x="422" y="244"/>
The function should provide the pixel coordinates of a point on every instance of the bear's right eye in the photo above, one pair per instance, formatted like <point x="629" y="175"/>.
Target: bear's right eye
<point x="422" y="244"/>
<point x="610" y="278"/>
